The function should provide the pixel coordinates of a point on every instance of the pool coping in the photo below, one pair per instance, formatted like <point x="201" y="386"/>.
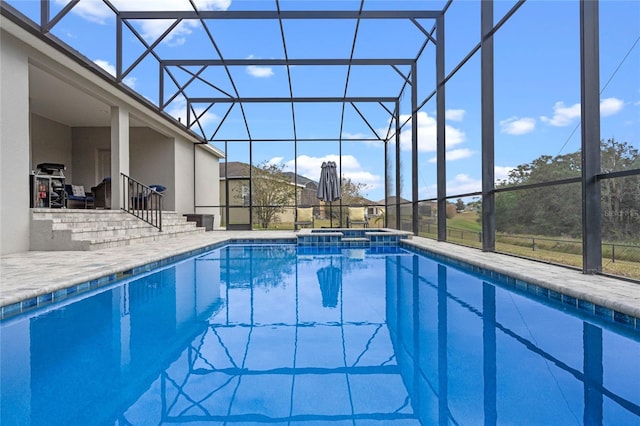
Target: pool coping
<point x="556" y="292"/>
<point x="620" y="298"/>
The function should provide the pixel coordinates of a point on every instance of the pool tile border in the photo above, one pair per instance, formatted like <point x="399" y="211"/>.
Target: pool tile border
<point x="553" y="297"/>
<point x="557" y="299"/>
<point x="48" y="298"/>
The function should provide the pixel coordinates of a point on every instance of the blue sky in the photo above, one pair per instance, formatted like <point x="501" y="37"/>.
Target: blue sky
<point x="537" y="86"/>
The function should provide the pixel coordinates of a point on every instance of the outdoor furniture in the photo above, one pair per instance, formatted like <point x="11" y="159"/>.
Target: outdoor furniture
<point x="357" y="216"/>
<point x="102" y="194"/>
<point x="144" y="199"/>
<point x="77" y="198"/>
<point x="304" y="217"/>
<point x="202" y="220"/>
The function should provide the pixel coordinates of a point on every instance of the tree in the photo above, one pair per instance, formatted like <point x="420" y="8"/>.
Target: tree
<point x="460" y="205"/>
<point x="556" y="210"/>
<point x="352" y="192"/>
<point x="271" y="192"/>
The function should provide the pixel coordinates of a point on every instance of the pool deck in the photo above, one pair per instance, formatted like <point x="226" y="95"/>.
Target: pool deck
<point x="30" y="274"/>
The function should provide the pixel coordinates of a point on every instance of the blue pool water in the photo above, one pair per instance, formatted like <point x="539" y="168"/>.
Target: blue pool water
<point x="270" y="334"/>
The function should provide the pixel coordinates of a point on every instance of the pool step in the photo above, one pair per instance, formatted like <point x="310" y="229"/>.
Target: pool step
<point x="350" y="237"/>
<point x="81" y="230"/>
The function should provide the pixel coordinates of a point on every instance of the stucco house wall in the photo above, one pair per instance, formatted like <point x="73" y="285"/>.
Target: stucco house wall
<point x="207" y="193"/>
<point x="50" y="143"/>
<point x="86" y="141"/>
<point x="151" y="161"/>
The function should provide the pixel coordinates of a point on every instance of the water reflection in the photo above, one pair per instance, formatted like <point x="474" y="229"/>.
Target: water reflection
<point x="474" y="353"/>
<point x="240" y="335"/>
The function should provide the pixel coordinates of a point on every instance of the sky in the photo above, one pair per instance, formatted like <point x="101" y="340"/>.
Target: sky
<point x="537" y="81"/>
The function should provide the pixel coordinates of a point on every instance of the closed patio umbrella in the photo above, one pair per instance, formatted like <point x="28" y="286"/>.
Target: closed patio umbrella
<point x="329" y="186"/>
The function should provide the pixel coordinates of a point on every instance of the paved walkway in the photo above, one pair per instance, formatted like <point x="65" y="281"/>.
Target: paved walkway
<point x="30" y="274"/>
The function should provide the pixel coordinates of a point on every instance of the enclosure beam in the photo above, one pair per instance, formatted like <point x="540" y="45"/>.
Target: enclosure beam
<point x="440" y="120"/>
<point x="283" y="62"/>
<point x="488" y="135"/>
<point x="286" y="99"/>
<point x="282" y="14"/>
<point x="590" y="129"/>
<point x="415" y="223"/>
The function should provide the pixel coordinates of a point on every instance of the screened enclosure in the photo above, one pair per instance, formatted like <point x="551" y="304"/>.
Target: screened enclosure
<point x="509" y="126"/>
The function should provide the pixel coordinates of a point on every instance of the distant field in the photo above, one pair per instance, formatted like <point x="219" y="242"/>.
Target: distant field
<point x="464" y="229"/>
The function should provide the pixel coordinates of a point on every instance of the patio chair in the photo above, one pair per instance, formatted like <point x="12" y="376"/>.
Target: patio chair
<point x="304" y="217"/>
<point x="147" y="200"/>
<point x="77" y="198"/>
<point x="357" y="216"/>
<point x="102" y="194"/>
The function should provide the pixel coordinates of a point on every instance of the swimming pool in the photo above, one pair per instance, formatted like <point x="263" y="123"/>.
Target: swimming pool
<point x="279" y="334"/>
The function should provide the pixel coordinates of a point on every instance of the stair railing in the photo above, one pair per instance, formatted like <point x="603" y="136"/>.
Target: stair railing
<point x="142" y="201"/>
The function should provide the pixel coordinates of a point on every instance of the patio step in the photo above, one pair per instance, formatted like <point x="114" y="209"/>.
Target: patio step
<point x="81" y="230"/>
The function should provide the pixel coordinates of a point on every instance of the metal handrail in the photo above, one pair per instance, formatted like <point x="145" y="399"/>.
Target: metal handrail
<point x="142" y="201"/>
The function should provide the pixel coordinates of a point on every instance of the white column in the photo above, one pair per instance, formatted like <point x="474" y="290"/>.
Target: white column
<point x="119" y="153"/>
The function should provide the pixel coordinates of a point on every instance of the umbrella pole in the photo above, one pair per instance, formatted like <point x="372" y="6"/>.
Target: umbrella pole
<point x="331" y="214"/>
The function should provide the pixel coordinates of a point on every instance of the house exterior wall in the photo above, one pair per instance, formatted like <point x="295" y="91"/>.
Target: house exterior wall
<point x="184" y="175"/>
<point x="151" y="162"/>
<point x="86" y="141"/>
<point x="51" y="143"/>
<point x="207" y="188"/>
<point x="15" y="163"/>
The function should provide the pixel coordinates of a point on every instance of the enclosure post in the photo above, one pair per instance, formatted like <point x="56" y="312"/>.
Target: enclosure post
<point x="398" y="184"/>
<point x="488" y="140"/>
<point x="590" y="129"/>
<point x="414" y="148"/>
<point x="440" y="119"/>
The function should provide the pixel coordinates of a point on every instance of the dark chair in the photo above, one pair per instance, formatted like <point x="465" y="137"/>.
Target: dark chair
<point x="148" y="200"/>
<point x="77" y="198"/>
<point x="102" y="194"/>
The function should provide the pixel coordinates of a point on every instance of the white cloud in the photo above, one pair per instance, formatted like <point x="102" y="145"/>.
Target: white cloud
<point x="455" y="154"/>
<point x="460" y="184"/>
<point x="105" y="65"/>
<point x="463" y="183"/>
<point x="347" y="135"/>
<point x="91" y="10"/>
<point x="610" y="106"/>
<point x="427" y="134"/>
<point x="276" y="160"/>
<point x="259" y="72"/>
<point x="502" y="172"/>
<point x="459" y="154"/>
<point x="455" y="114"/>
<point x="562" y="115"/>
<point x="96" y="11"/>
<point x="310" y="167"/>
<point x="517" y="126"/>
